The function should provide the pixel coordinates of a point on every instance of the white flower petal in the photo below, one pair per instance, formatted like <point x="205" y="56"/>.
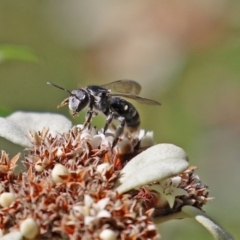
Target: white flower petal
<point x="78" y="210"/>
<point x="96" y="141"/>
<point x="217" y="232"/>
<point x="14" y="235"/>
<point x="37" y="121"/>
<point x="80" y="127"/>
<point x="141" y="133"/>
<point x="89" y="219"/>
<point x="162" y="219"/>
<point x="180" y="192"/>
<point x="171" y="199"/>
<point x="101" y="204"/>
<point x="157" y="188"/>
<point x="169" y="192"/>
<point x="88" y="201"/>
<point x="104" y="214"/>
<point x="16" y="127"/>
<point x="101" y="168"/>
<point x="93" y="131"/>
<point x="176" y="181"/>
<point x="166" y="182"/>
<point x="147" y="140"/>
<point x="154" y="164"/>
<point x="13" y="133"/>
<point x="86" y="136"/>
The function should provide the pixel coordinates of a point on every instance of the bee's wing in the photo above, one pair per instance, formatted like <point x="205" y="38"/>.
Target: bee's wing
<point x="137" y="98"/>
<point x="124" y="86"/>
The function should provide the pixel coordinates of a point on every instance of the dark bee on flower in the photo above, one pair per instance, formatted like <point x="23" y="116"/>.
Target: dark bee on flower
<point x="108" y="100"/>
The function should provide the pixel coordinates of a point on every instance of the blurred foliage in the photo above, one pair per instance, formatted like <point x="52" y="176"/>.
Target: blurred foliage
<point x="12" y="52"/>
<point x="206" y="89"/>
<point x="4" y="112"/>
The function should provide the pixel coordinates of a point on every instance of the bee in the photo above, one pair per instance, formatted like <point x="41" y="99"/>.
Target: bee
<point x="107" y="99"/>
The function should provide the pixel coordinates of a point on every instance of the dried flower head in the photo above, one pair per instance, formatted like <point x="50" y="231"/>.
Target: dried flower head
<point x="68" y="191"/>
<point x="77" y="187"/>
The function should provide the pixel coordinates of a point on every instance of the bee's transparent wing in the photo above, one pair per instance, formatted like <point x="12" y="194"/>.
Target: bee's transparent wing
<point x="137" y="98"/>
<point x="124" y="86"/>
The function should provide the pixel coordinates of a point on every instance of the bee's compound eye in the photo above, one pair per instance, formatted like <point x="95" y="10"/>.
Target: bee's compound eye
<point x="73" y="104"/>
<point x="126" y="107"/>
<point x="78" y="100"/>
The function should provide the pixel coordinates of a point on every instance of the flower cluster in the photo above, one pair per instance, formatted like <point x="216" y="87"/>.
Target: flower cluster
<point x="68" y="192"/>
<point x="75" y="186"/>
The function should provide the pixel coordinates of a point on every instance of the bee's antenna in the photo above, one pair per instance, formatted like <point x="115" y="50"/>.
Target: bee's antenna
<point x="54" y="85"/>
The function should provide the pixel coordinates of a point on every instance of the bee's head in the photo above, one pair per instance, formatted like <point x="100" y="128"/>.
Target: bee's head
<point x="77" y="100"/>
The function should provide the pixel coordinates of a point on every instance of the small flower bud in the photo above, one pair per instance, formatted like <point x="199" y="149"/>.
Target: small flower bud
<point x="59" y="173"/>
<point x="29" y="228"/>
<point x="39" y="166"/>
<point x="107" y="234"/>
<point x="6" y="199"/>
<point x="59" y="152"/>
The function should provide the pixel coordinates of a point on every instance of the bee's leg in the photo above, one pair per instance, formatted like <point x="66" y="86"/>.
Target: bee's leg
<point x="119" y="130"/>
<point x="88" y="118"/>
<point x="108" y="121"/>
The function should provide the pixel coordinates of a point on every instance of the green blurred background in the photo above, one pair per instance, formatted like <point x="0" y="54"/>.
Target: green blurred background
<point x="185" y="54"/>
